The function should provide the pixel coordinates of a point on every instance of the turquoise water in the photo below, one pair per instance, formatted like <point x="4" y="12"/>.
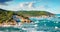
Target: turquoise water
<point x="51" y="24"/>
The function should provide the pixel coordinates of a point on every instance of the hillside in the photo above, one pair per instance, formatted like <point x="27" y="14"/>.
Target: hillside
<point x="6" y="15"/>
<point x="34" y="13"/>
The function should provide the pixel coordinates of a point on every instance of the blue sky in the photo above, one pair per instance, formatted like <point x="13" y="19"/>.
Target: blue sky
<point x="52" y="6"/>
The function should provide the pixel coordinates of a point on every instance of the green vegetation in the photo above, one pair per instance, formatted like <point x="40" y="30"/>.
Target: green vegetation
<point x="6" y="15"/>
<point x="34" y="13"/>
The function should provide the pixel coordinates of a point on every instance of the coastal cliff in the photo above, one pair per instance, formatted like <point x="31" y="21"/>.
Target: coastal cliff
<point x="6" y="15"/>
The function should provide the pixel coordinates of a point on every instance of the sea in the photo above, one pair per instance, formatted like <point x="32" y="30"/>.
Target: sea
<point x="50" y="24"/>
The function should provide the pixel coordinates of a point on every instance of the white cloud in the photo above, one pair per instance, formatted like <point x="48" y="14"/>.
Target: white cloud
<point x="24" y="6"/>
<point x="28" y="6"/>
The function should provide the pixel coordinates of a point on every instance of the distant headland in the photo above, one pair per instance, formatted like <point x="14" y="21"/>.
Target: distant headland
<point x="6" y="16"/>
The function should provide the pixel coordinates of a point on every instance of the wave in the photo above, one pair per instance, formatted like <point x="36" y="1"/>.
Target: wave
<point x="51" y="24"/>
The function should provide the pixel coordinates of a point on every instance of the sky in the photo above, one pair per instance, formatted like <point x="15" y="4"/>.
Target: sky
<point x="52" y="6"/>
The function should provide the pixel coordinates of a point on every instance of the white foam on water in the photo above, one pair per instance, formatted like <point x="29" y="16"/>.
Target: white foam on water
<point x="37" y="22"/>
<point x="18" y="25"/>
<point x="57" y="22"/>
<point x="56" y="27"/>
<point x="24" y="28"/>
<point x="29" y="29"/>
<point x="35" y="25"/>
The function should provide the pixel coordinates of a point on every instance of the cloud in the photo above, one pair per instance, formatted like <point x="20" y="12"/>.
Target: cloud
<point x="29" y="6"/>
<point x="24" y="6"/>
<point x="20" y="6"/>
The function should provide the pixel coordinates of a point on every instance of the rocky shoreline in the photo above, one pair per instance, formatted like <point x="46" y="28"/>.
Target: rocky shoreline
<point x="23" y="19"/>
<point x="14" y="22"/>
<point x="21" y="16"/>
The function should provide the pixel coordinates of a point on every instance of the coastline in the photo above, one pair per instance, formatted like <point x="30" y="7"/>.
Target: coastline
<point x="23" y="20"/>
<point x="21" y="15"/>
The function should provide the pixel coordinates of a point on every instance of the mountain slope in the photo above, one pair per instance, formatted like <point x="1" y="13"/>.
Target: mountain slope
<point x="34" y="13"/>
<point x="5" y="15"/>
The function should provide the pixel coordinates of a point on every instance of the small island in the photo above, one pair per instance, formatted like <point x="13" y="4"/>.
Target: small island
<point x="10" y="17"/>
